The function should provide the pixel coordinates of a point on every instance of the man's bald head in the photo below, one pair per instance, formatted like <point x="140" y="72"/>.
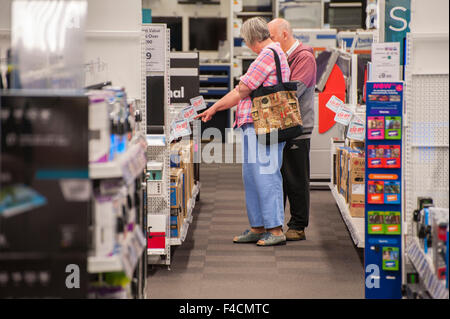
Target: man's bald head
<point x="281" y="31"/>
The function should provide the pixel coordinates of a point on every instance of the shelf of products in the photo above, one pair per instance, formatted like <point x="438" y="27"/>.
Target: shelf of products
<point x="125" y="257"/>
<point x="423" y="264"/>
<point x="128" y="165"/>
<point x="355" y="225"/>
<point x="188" y="220"/>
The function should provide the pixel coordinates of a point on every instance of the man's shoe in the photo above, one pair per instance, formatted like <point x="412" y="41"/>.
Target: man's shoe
<point x="293" y="234"/>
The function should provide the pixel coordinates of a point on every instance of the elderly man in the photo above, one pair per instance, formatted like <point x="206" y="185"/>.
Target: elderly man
<point x="295" y="168"/>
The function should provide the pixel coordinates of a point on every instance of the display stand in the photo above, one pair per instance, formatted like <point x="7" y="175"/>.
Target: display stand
<point x="383" y="176"/>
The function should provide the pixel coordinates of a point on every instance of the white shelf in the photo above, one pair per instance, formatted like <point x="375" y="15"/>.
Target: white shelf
<point x="104" y="264"/>
<point x="188" y="220"/>
<point x="354" y="224"/>
<point x="156" y="251"/>
<point x="127" y="165"/>
<point x="122" y="261"/>
<point x="253" y="13"/>
<point x="424" y="267"/>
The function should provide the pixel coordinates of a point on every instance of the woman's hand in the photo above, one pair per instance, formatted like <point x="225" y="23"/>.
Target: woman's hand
<point x="207" y="115"/>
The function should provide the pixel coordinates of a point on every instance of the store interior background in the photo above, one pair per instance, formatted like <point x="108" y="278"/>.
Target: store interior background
<point x="330" y="263"/>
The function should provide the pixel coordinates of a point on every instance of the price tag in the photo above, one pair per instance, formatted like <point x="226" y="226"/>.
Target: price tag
<point x="343" y="115"/>
<point x="334" y="104"/>
<point x="198" y="103"/>
<point x="181" y="128"/>
<point x="188" y="113"/>
<point x="356" y="129"/>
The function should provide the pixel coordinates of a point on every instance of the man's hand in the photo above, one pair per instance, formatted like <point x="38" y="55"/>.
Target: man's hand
<point x="206" y="115"/>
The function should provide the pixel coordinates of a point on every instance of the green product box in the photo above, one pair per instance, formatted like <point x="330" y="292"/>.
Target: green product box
<point x="390" y="258"/>
<point x="375" y="223"/>
<point x="393" y="128"/>
<point x="392" y="223"/>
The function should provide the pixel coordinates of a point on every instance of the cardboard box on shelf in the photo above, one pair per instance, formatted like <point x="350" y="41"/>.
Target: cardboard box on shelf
<point x="355" y="193"/>
<point x="356" y="145"/>
<point x="176" y="188"/>
<point x="338" y="167"/>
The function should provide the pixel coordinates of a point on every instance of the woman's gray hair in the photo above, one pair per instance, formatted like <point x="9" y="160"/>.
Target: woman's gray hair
<point x="255" y="30"/>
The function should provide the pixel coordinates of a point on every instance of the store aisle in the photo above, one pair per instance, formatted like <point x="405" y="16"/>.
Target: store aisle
<point x="209" y="265"/>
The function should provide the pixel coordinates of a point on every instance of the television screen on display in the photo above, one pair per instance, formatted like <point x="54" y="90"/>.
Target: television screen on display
<point x="205" y="33"/>
<point x="176" y="31"/>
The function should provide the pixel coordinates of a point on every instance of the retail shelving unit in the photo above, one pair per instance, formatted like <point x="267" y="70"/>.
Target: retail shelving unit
<point x="188" y="220"/>
<point x="129" y="257"/>
<point x="426" y="142"/>
<point x="355" y="225"/>
<point x="158" y="147"/>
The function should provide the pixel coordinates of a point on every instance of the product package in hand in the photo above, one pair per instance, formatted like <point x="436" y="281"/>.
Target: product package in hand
<point x="198" y="103"/>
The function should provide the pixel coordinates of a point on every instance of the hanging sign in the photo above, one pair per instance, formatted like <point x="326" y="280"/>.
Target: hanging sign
<point x="188" y="113"/>
<point x="343" y="115"/>
<point x="356" y="129"/>
<point x="198" y="103"/>
<point x="334" y="104"/>
<point x="155" y="47"/>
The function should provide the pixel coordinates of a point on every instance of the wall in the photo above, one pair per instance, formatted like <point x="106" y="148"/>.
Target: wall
<point x="172" y="8"/>
<point x="5" y="30"/>
<point x="113" y="31"/>
<point x="429" y="16"/>
<point x="113" y="48"/>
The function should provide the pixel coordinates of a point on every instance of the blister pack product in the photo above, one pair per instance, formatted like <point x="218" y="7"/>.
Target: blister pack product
<point x="392" y="192"/>
<point x="392" y="223"/>
<point x="375" y="223"/>
<point x="375" y="194"/>
<point x="375" y="127"/>
<point x="392" y="157"/>
<point x="375" y="158"/>
<point x="393" y="128"/>
<point x="391" y="258"/>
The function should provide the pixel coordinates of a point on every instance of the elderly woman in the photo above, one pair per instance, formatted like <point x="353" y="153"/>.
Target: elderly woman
<point x="261" y="163"/>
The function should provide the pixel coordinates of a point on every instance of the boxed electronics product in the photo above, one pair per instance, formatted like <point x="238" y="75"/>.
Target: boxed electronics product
<point x="156" y="231"/>
<point x="154" y="178"/>
<point x="106" y="210"/>
<point x="335" y="145"/>
<point x="44" y="192"/>
<point x="338" y="167"/>
<point x="176" y="188"/>
<point x="356" y="198"/>
<point x="355" y="145"/>
<point x="99" y="130"/>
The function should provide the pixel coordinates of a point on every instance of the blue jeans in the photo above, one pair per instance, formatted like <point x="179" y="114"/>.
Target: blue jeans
<point x="262" y="180"/>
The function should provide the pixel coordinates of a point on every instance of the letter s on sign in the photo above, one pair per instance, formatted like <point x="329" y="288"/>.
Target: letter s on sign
<point x="392" y="14"/>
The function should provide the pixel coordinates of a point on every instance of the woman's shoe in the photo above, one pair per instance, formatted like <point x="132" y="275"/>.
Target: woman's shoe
<point x="270" y="239"/>
<point x="247" y="237"/>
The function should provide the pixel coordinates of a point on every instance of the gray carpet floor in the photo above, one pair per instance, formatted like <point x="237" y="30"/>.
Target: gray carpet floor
<point x="209" y="265"/>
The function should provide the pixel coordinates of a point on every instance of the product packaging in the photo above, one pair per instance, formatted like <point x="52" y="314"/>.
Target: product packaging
<point x="392" y="157"/>
<point x="375" y="127"/>
<point x="392" y="192"/>
<point x="392" y="223"/>
<point x="375" y="194"/>
<point x="393" y="128"/>
<point x="390" y="258"/>
<point x="375" y="224"/>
